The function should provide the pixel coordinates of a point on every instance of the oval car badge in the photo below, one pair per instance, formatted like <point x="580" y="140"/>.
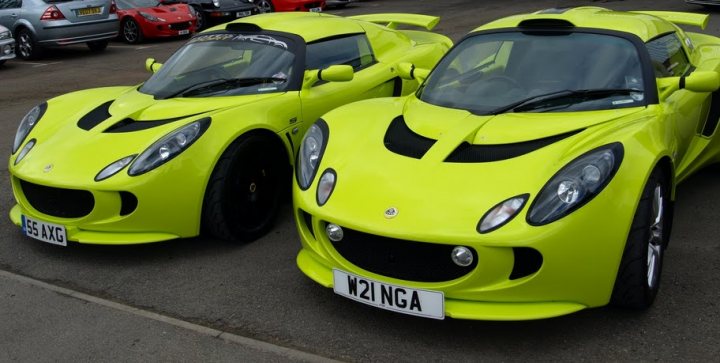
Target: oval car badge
<point x="47" y="168"/>
<point x="391" y="212"/>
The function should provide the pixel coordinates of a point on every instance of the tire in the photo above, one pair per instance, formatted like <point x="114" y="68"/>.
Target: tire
<point x="244" y="192"/>
<point x="638" y="278"/>
<point x="2" y="62"/>
<point x="265" y="6"/>
<point x="26" y="46"/>
<point x="201" y="21"/>
<point x="131" y="32"/>
<point x="98" y="45"/>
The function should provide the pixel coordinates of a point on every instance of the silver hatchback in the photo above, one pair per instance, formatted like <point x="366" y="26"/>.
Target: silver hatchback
<point x="37" y="24"/>
<point x="7" y="45"/>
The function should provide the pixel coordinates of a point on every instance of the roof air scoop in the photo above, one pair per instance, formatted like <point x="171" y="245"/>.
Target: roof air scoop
<point x="546" y="23"/>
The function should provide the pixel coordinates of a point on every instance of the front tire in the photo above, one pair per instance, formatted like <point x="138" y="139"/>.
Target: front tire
<point x="201" y="19"/>
<point x="265" y="6"/>
<point x="638" y="278"/>
<point x="244" y="191"/>
<point x="131" y="31"/>
<point x="26" y="47"/>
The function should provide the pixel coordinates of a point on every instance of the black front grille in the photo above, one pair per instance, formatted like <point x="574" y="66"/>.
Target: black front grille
<point x="63" y="203"/>
<point x="180" y="26"/>
<point x="401" y="259"/>
<point x="468" y="153"/>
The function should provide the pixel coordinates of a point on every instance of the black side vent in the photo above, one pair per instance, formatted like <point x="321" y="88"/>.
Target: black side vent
<point x="307" y="218"/>
<point x="546" y="23"/>
<point x="401" y="140"/>
<point x="468" y="153"/>
<point x="527" y="262"/>
<point x="130" y="125"/>
<point x="128" y="203"/>
<point x="713" y="116"/>
<point x="95" y="117"/>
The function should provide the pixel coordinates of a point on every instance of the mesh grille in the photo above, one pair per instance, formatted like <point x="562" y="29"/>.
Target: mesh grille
<point x="401" y="259"/>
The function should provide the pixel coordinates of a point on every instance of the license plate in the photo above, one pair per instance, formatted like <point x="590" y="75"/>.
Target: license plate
<point x="88" y="11"/>
<point x="315" y="10"/>
<point x="241" y="14"/>
<point x="44" y="231"/>
<point x="183" y="32"/>
<point x="424" y="303"/>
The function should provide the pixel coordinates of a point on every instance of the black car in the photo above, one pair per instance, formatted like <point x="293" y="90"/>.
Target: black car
<point x="219" y="11"/>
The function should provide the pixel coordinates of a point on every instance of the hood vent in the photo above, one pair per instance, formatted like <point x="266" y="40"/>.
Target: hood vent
<point x="95" y="117"/>
<point x="130" y="125"/>
<point x="468" y="153"/>
<point x="401" y="140"/>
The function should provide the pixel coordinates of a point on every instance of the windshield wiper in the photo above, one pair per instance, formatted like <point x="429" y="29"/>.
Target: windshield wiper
<point x="226" y="84"/>
<point x="552" y="98"/>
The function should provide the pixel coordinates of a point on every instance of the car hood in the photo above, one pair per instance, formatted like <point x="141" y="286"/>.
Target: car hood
<point x="466" y="164"/>
<point x="83" y="132"/>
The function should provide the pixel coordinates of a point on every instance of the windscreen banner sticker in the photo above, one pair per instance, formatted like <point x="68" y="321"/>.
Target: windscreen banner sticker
<point x="254" y="38"/>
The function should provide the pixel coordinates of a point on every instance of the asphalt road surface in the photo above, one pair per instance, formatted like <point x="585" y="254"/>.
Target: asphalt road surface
<point x="256" y="291"/>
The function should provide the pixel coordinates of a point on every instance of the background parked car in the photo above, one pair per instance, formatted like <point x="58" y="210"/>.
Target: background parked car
<point x="37" y="24"/>
<point x="7" y="45"/>
<point x="268" y="6"/>
<point x="220" y="11"/>
<point x="337" y="3"/>
<point x="140" y="19"/>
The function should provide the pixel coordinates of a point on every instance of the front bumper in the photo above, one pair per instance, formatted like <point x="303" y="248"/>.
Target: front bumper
<point x="7" y="49"/>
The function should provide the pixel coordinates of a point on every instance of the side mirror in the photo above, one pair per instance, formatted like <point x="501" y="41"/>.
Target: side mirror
<point x="336" y="73"/>
<point x="151" y="65"/>
<point x="409" y="71"/>
<point x="697" y="81"/>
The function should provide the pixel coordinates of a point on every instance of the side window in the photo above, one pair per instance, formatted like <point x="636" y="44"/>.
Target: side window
<point x="668" y="56"/>
<point x="10" y="4"/>
<point x="353" y="50"/>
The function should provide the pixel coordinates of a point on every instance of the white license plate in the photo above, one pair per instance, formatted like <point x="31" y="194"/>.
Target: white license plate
<point x="424" y="303"/>
<point x="241" y="14"/>
<point x="44" y="231"/>
<point x="316" y="10"/>
<point x="183" y="32"/>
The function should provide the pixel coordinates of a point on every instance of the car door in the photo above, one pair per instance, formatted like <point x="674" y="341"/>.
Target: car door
<point x="9" y="12"/>
<point x="371" y="78"/>
<point x="685" y="110"/>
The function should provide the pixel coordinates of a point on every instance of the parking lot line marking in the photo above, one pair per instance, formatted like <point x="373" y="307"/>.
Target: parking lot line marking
<point x="292" y="354"/>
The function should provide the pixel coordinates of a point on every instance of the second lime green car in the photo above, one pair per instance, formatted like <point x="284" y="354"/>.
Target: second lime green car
<point x="532" y="174"/>
<point x="209" y="139"/>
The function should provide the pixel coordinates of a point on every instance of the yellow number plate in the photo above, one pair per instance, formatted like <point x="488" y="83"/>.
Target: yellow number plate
<point x="88" y="11"/>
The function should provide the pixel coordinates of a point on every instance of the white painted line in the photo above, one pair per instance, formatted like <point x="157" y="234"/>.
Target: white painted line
<point x="292" y="354"/>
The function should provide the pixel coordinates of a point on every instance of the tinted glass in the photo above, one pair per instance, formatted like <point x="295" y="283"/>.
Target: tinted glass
<point x="668" y="56"/>
<point x="352" y="50"/>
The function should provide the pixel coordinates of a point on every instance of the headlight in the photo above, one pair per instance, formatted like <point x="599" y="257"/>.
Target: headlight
<point x="168" y="147"/>
<point x="27" y="124"/>
<point x="4" y="35"/>
<point x="25" y="150"/>
<point x="150" y="17"/>
<point x="114" y="168"/>
<point x="501" y="214"/>
<point x="311" y="152"/>
<point x="326" y="185"/>
<point x="216" y="3"/>
<point x="576" y="184"/>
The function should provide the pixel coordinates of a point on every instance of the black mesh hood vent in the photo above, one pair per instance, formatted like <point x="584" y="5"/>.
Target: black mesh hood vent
<point x="401" y="140"/>
<point x="130" y="125"/>
<point x="95" y="117"/>
<point x="468" y="153"/>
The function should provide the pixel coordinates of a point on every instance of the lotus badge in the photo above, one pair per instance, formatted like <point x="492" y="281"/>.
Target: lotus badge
<point x="391" y="212"/>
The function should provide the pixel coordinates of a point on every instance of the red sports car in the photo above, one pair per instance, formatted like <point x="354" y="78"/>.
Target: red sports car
<point x="267" y="6"/>
<point x="140" y="19"/>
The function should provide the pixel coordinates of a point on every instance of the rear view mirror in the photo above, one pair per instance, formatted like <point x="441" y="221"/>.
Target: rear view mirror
<point x="702" y="81"/>
<point x="409" y="71"/>
<point x="336" y="73"/>
<point x="152" y="66"/>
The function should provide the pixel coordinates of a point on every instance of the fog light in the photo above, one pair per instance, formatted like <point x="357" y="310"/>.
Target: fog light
<point x="334" y="232"/>
<point x="462" y="256"/>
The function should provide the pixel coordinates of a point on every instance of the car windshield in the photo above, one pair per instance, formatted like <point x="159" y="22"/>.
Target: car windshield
<point x="225" y="65"/>
<point x="537" y="72"/>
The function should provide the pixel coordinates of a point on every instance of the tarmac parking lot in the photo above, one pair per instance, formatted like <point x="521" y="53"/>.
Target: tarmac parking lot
<point x="202" y="299"/>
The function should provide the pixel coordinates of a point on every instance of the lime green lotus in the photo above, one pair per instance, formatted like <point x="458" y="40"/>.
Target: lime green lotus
<point x="209" y="139"/>
<point x="531" y="175"/>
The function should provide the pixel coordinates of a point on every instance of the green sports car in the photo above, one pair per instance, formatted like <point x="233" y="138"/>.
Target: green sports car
<point x="208" y="141"/>
<point x="531" y="175"/>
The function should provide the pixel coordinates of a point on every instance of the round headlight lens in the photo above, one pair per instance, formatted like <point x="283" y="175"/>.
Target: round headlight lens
<point x="462" y="256"/>
<point x="334" y="232"/>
